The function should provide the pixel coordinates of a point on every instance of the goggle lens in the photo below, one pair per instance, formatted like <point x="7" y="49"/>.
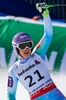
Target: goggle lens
<point x="25" y="44"/>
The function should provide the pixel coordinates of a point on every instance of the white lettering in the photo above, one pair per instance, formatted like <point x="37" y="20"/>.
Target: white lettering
<point x="12" y="58"/>
<point x="51" y="61"/>
<point x="2" y="58"/>
<point x="63" y="64"/>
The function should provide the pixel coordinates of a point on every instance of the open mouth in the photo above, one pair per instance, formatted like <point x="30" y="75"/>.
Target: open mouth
<point x="26" y="53"/>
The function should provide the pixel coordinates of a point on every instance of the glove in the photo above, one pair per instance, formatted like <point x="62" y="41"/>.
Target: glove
<point x="42" y="8"/>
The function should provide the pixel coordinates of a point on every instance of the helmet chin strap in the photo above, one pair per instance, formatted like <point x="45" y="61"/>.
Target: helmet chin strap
<point x="20" y="56"/>
<point x="17" y="50"/>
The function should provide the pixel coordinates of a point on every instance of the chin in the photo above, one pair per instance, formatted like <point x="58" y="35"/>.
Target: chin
<point x="26" y="56"/>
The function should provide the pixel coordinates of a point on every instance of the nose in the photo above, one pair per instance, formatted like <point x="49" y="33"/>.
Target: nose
<point x="26" y="48"/>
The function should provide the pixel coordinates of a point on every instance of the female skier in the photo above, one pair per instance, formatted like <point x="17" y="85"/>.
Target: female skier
<point x="31" y="69"/>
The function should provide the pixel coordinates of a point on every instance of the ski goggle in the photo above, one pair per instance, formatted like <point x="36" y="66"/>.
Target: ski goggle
<point x="24" y="45"/>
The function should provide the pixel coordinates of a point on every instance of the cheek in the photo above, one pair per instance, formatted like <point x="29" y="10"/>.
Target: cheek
<point x="21" y="51"/>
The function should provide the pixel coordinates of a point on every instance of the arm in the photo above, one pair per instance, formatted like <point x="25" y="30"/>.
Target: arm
<point x="43" y="45"/>
<point x="12" y="85"/>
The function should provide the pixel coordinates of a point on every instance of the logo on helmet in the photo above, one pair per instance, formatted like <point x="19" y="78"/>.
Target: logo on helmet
<point x="22" y="37"/>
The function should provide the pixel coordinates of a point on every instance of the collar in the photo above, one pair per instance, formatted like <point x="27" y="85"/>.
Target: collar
<point x="21" y="60"/>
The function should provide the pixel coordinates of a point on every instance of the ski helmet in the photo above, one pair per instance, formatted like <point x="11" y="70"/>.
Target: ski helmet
<point x="19" y="38"/>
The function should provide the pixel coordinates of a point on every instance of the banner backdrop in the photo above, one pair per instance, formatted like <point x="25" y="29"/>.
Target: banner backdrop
<point x="56" y="54"/>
